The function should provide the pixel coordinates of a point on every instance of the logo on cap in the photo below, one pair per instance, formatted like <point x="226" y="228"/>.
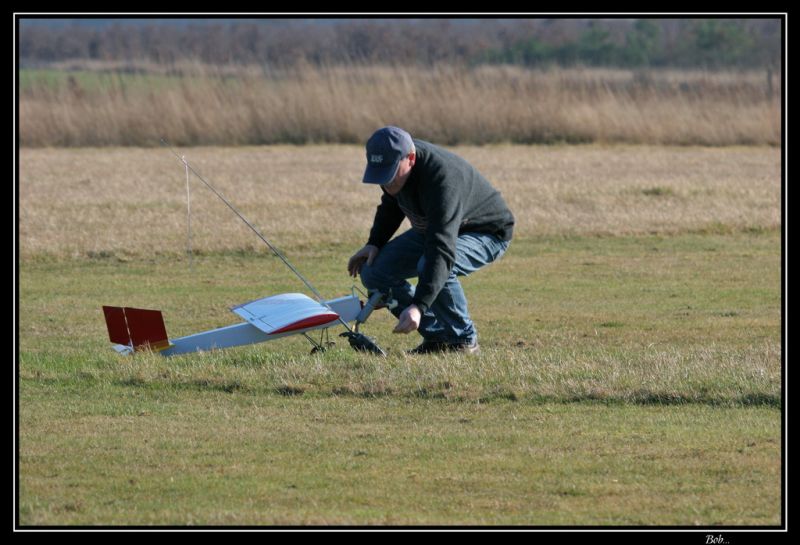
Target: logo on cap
<point x="385" y="149"/>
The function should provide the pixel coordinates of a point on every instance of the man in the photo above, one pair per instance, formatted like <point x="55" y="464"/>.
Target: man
<point x="459" y="223"/>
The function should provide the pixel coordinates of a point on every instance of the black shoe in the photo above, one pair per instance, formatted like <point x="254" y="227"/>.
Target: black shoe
<point x="465" y="348"/>
<point x="428" y="347"/>
<point x="438" y="347"/>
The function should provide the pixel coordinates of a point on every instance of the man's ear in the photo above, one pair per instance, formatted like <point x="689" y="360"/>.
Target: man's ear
<point x="412" y="158"/>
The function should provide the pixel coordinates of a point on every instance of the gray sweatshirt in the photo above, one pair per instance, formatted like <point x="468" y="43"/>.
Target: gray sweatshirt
<point x="443" y="197"/>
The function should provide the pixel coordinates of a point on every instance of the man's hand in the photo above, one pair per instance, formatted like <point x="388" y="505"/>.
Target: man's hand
<point x="364" y="255"/>
<point x="408" y="320"/>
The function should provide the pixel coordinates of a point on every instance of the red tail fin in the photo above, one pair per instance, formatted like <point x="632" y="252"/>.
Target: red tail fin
<point x="136" y="327"/>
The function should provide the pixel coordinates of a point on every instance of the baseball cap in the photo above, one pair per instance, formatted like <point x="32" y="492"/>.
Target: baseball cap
<point x="385" y="149"/>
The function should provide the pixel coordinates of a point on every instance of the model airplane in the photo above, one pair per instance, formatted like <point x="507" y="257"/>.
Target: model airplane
<point x="133" y="329"/>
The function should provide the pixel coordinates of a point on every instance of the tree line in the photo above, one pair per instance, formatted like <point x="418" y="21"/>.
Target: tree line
<point x="632" y="43"/>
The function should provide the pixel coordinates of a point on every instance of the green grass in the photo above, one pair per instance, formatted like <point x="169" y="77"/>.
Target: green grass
<point x="47" y="79"/>
<point x="115" y="455"/>
<point x="622" y="381"/>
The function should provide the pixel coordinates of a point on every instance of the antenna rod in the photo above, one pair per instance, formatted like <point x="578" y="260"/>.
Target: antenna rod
<point x="256" y="231"/>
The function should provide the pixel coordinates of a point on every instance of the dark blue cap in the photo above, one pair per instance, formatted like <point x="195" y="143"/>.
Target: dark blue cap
<point x="385" y="149"/>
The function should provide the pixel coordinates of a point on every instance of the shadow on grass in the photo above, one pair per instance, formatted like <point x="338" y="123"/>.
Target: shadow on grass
<point x="445" y="391"/>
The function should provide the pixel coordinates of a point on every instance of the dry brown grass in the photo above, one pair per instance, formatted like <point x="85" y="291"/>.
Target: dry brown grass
<point x="132" y="201"/>
<point x="447" y="104"/>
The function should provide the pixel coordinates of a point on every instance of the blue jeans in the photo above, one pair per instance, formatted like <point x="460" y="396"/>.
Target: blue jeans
<point x="447" y="320"/>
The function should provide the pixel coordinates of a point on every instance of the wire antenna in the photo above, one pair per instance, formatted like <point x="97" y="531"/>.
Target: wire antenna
<point x="188" y="217"/>
<point x="256" y="231"/>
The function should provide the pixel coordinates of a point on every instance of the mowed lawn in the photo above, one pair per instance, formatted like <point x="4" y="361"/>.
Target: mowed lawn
<point x="626" y="378"/>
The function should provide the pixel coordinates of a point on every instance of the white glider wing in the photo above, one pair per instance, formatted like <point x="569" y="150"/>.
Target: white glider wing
<point x="284" y="313"/>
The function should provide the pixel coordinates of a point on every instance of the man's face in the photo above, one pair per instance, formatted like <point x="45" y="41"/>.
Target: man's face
<point x="403" y="171"/>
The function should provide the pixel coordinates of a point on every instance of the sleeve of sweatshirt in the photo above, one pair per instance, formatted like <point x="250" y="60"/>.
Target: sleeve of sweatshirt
<point x="444" y="219"/>
<point x="388" y="218"/>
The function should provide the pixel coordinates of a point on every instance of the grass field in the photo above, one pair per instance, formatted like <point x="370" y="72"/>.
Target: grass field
<point x="128" y="202"/>
<point x="630" y="371"/>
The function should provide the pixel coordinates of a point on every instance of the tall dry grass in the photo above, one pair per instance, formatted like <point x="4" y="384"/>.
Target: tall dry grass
<point x="447" y="104"/>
